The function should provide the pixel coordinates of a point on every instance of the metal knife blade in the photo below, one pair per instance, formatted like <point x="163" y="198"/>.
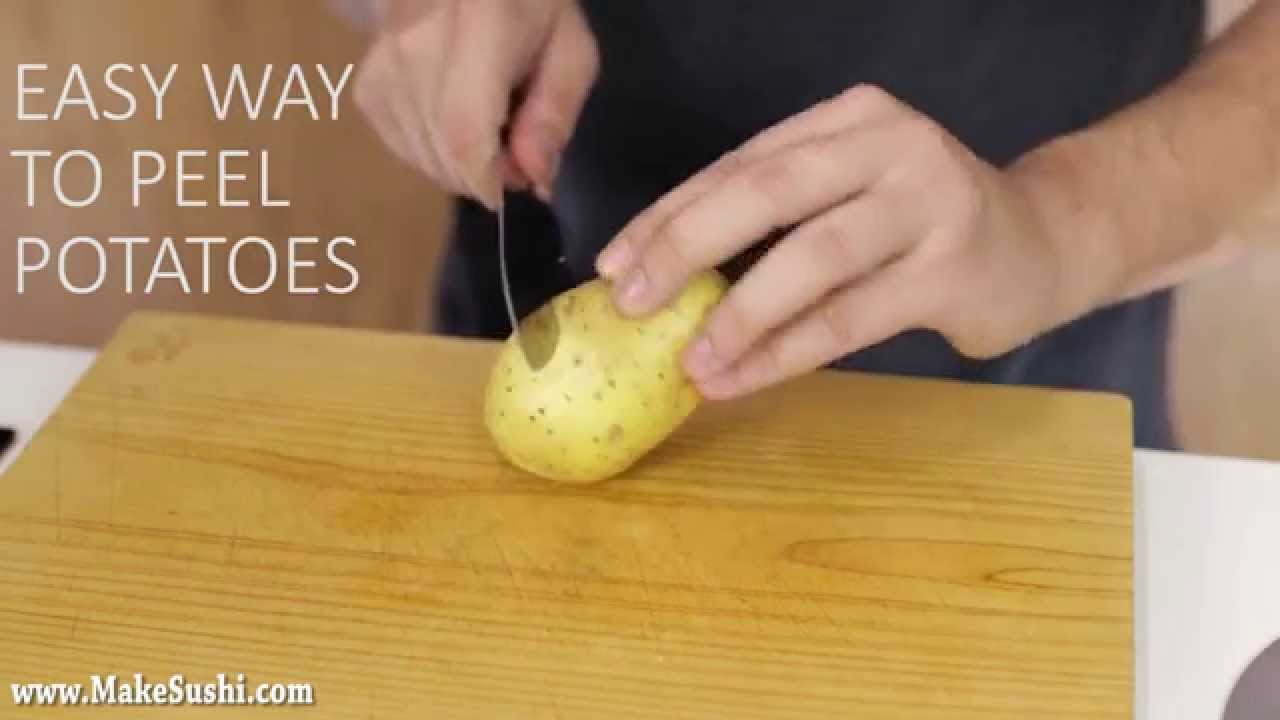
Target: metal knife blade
<point x="539" y="334"/>
<point x="505" y="272"/>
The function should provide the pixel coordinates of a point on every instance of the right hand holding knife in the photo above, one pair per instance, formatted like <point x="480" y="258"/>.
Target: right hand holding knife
<point x="438" y="82"/>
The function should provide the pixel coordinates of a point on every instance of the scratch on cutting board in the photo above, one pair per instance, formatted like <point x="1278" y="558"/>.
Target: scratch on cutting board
<point x="57" y="500"/>
<point x="511" y="573"/>
<point x="546" y="632"/>
<point x="232" y="547"/>
<point x="652" y="621"/>
<point x="116" y="449"/>
<point x="754" y="612"/>
<point x="470" y="559"/>
<point x="820" y="611"/>
<point x="57" y="486"/>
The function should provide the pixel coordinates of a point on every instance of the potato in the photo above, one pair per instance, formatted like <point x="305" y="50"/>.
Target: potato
<point x="609" y="388"/>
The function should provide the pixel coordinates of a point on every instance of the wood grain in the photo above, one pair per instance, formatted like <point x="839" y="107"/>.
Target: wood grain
<point x="317" y="505"/>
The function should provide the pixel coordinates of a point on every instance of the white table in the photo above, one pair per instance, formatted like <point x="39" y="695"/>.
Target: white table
<point x="33" y="380"/>
<point x="1208" y="550"/>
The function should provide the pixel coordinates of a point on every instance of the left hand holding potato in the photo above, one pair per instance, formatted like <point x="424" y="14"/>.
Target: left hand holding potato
<point x="897" y="226"/>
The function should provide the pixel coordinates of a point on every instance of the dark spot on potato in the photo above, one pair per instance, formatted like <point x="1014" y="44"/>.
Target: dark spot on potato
<point x="508" y="388"/>
<point x="598" y="396"/>
<point x="596" y="439"/>
<point x="533" y="418"/>
<point x="568" y="398"/>
<point x="662" y="376"/>
<point x="615" y="433"/>
<point x="577" y="361"/>
<point x="612" y="385"/>
<point x="550" y="432"/>
<point x="586" y="328"/>
<point x="542" y="411"/>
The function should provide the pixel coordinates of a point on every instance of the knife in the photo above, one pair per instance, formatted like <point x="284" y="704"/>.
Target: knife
<point x="504" y="272"/>
<point x="539" y="333"/>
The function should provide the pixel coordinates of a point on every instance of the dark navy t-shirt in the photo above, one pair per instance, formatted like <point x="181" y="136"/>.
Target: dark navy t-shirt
<point x="682" y="83"/>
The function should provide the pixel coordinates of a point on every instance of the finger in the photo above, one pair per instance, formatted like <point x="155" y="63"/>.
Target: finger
<point x="859" y="316"/>
<point x="411" y="126"/>
<point x="417" y="53"/>
<point x="779" y="191"/>
<point x="826" y="253"/>
<point x="556" y="94"/>
<point x="377" y="110"/>
<point x="861" y="106"/>
<point x="396" y="14"/>
<point x="512" y="175"/>
<point x="488" y="49"/>
<point x="401" y="123"/>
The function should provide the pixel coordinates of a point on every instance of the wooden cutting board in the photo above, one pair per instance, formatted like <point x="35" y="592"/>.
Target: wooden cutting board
<point x="320" y="506"/>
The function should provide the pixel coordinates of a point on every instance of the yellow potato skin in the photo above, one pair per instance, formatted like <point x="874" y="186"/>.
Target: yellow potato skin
<point x="611" y="392"/>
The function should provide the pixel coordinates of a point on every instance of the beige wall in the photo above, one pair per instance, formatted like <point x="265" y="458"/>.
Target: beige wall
<point x="337" y="176"/>
<point x="1226" y="359"/>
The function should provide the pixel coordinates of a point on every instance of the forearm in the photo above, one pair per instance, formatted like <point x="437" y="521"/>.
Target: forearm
<point x="1156" y="193"/>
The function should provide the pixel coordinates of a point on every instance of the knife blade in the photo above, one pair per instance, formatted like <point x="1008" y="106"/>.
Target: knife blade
<point x="504" y="272"/>
<point x="537" y="335"/>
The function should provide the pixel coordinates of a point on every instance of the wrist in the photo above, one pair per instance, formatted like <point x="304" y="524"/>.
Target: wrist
<point x="1080" y="227"/>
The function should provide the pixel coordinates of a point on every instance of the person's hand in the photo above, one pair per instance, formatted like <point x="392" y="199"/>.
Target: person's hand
<point x="439" y="81"/>
<point x="896" y="226"/>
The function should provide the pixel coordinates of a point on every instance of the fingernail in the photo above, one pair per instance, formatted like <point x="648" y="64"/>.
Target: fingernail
<point x="553" y="168"/>
<point x="702" y="362"/>
<point x="634" y="289"/>
<point x="718" y="387"/>
<point x="550" y="143"/>
<point x="614" y="258"/>
<point x="543" y="188"/>
<point x="513" y="177"/>
<point x="490" y="188"/>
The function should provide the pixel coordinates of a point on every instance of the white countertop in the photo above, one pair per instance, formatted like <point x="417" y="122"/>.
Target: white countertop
<point x="33" y="380"/>
<point x="1208" y="550"/>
